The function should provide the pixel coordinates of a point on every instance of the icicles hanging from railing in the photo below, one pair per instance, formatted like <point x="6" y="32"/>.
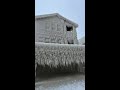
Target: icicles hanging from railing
<point x="55" y="55"/>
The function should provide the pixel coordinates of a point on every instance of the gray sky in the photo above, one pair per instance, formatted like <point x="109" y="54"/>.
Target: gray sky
<point x="71" y="9"/>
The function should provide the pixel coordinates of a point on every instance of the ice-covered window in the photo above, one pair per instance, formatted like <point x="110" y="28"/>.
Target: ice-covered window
<point x="69" y="28"/>
<point x="70" y="42"/>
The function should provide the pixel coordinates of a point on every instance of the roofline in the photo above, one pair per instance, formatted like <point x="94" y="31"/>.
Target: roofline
<point x="58" y="15"/>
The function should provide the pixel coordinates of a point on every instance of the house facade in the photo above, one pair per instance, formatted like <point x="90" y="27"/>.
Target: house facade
<point x="54" y="28"/>
<point x="82" y="41"/>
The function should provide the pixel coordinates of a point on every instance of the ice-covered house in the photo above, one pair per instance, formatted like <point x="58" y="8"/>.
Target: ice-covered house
<point x="82" y="41"/>
<point x="54" y="28"/>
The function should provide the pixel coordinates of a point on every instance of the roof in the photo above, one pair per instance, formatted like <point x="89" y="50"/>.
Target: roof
<point x="58" y="15"/>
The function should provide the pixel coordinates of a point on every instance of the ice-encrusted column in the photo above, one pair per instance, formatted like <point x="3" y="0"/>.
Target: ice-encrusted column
<point x="75" y="36"/>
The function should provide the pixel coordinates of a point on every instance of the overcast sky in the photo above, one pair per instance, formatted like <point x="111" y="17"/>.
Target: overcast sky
<point x="71" y="9"/>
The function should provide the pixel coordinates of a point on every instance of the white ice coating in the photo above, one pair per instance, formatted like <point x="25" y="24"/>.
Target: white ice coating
<point x="59" y="54"/>
<point x="56" y="50"/>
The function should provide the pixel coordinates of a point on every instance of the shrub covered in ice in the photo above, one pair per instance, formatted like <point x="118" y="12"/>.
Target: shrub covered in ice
<point x="59" y="54"/>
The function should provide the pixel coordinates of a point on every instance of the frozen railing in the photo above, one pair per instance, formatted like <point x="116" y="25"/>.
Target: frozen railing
<point x="59" y="54"/>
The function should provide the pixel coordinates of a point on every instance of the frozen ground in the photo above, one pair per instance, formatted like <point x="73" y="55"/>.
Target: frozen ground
<point x="66" y="82"/>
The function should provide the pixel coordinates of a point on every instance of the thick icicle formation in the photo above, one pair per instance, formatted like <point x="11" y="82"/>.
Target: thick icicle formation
<point x="54" y="55"/>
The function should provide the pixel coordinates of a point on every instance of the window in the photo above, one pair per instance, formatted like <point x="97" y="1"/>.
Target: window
<point x="69" y="28"/>
<point x="47" y="40"/>
<point x="70" y="42"/>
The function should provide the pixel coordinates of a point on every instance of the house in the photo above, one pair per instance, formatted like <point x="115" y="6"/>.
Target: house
<point x="82" y="41"/>
<point x="54" y="28"/>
